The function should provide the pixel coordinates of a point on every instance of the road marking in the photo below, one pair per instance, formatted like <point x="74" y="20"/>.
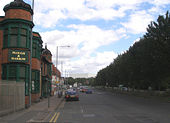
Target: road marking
<point x="56" y="117"/>
<point x="52" y="118"/>
<point x="81" y="107"/>
<point x="88" y="115"/>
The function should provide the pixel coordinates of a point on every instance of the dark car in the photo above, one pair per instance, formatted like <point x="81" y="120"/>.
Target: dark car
<point x="89" y="91"/>
<point x="71" y="94"/>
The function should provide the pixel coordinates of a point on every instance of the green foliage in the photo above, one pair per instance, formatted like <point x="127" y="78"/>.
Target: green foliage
<point x="145" y="64"/>
<point x="82" y="81"/>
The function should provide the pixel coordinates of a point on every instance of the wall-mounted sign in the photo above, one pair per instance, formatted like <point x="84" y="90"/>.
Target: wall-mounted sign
<point x="18" y="56"/>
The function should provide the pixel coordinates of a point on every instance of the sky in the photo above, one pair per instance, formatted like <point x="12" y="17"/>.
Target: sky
<point x="96" y="31"/>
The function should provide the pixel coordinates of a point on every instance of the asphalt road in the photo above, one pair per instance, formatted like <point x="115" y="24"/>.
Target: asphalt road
<point x="107" y="107"/>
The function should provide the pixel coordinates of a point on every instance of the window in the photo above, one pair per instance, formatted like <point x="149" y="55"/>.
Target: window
<point x="13" y="40"/>
<point x="16" y="72"/>
<point x="4" y="72"/>
<point x="23" y="37"/>
<point x="34" y="49"/>
<point x="14" y="30"/>
<point x="12" y="72"/>
<point x="49" y="69"/>
<point x="23" y="41"/>
<point x="13" y="37"/>
<point x="49" y="57"/>
<point x="23" y="31"/>
<point x="22" y="73"/>
<point x="35" y="81"/>
<point x="5" y="43"/>
<point x="17" y="36"/>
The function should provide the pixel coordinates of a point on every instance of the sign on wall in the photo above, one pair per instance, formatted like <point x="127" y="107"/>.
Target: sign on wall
<point x="18" y="56"/>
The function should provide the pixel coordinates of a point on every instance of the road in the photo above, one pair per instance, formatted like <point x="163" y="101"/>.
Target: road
<point x="99" y="107"/>
<point x="107" y="107"/>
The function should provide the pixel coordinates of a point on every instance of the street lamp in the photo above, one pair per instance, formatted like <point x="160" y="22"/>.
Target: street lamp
<point x="58" y="53"/>
<point x="57" y="64"/>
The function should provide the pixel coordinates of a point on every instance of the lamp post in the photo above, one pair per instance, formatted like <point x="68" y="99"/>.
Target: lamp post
<point x="30" y="70"/>
<point x="58" y="53"/>
<point x="57" y="57"/>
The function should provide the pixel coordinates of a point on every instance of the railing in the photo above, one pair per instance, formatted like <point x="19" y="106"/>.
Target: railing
<point x="12" y="96"/>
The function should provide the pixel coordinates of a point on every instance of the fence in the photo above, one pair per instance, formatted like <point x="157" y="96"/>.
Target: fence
<point x="12" y="96"/>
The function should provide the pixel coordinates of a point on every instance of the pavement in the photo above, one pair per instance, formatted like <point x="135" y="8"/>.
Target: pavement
<point x="38" y="112"/>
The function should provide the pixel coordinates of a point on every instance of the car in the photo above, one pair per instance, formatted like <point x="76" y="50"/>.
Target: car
<point x="81" y="89"/>
<point x="84" y="89"/>
<point x="71" y="94"/>
<point x="89" y="91"/>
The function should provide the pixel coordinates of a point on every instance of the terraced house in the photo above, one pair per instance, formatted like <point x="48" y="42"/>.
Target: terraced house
<point x="16" y="56"/>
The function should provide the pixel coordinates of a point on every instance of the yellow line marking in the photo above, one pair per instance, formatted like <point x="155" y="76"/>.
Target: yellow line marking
<point x="52" y="118"/>
<point x="56" y="117"/>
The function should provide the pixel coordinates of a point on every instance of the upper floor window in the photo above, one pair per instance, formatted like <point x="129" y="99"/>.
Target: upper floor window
<point x="23" y="37"/>
<point x="16" y="36"/>
<point x="13" y="37"/>
<point x="36" y="49"/>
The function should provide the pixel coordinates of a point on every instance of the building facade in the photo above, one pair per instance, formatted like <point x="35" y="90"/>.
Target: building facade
<point x="22" y="58"/>
<point x="46" y="72"/>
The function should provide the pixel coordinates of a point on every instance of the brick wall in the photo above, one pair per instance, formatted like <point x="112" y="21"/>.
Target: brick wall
<point x="35" y="97"/>
<point x="4" y="56"/>
<point x="2" y="18"/>
<point x="36" y="64"/>
<point x="26" y="101"/>
<point x="36" y="35"/>
<point x="18" y="13"/>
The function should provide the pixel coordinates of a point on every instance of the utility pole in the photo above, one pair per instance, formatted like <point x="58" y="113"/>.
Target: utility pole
<point x="31" y="56"/>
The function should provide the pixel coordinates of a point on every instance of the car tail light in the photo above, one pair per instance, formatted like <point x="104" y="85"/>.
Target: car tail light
<point x="67" y="96"/>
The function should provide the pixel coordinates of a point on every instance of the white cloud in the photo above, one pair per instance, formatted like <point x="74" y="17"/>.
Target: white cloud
<point x="2" y="4"/>
<point x="160" y="2"/>
<point x="50" y="19"/>
<point x="51" y="11"/>
<point x="138" y="22"/>
<point x="89" y="38"/>
<point x="91" y="64"/>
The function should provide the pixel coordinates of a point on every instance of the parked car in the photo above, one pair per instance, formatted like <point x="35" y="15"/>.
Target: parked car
<point x="89" y="91"/>
<point x="71" y="94"/>
<point x="81" y="89"/>
<point x="84" y="89"/>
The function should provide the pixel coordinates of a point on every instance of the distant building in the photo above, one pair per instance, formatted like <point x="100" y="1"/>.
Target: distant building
<point x="82" y="75"/>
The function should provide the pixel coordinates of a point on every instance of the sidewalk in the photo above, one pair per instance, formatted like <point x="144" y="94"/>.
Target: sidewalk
<point x="38" y="112"/>
<point x="44" y="110"/>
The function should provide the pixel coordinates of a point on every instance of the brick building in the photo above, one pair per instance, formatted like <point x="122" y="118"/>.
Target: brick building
<point x="56" y="77"/>
<point x="15" y="52"/>
<point x="46" y="63"/>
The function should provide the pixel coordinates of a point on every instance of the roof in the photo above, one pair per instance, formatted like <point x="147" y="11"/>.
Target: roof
<point x="46" y="51"/>
<point x="17" y="4"/>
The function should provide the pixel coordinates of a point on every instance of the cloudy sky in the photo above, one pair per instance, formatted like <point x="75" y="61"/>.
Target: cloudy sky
<point x="96" y="30"/>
